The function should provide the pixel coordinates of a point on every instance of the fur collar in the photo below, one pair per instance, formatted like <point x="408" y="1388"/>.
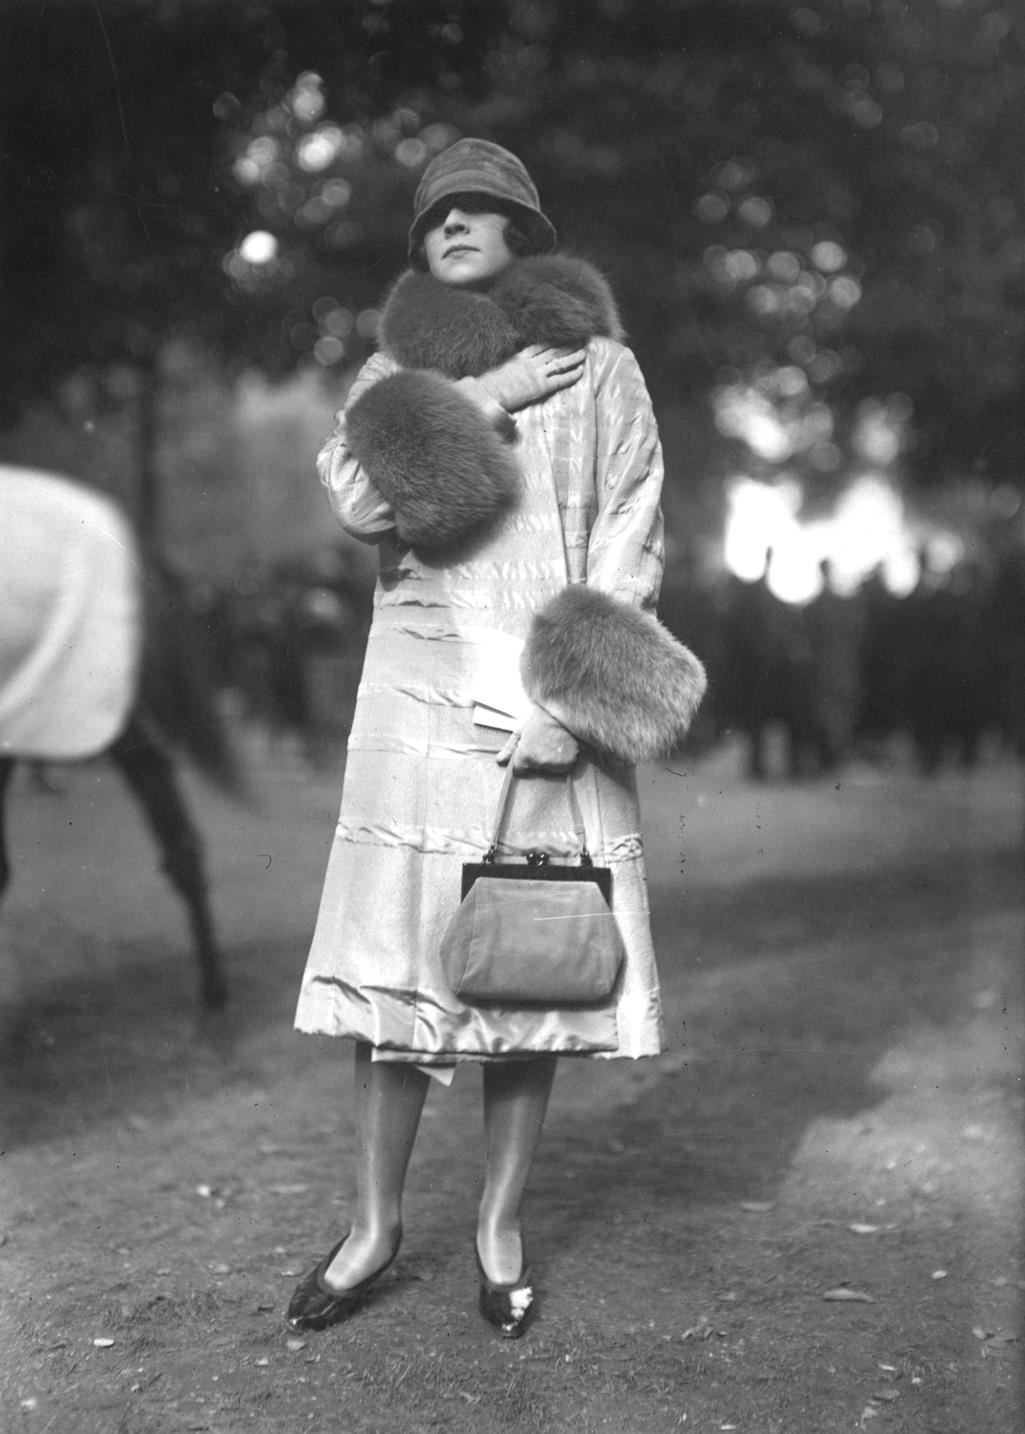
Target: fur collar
<point x="552" y="300"/>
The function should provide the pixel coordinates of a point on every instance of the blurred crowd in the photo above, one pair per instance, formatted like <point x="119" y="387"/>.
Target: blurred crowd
<point x="286" y="644"/>
<point x="939" y="672"/>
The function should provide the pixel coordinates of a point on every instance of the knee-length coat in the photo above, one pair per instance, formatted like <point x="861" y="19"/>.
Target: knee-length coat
<point x="580" y="507"/>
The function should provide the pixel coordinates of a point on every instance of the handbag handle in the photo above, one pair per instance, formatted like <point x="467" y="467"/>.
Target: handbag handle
<point x="537" y="858"/>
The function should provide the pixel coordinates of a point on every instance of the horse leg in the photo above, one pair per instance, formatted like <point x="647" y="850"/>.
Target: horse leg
<point x="6" y="768"/>
<point x="149" y="772"/>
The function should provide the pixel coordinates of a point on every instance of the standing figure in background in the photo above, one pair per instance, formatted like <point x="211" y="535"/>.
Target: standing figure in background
<point x="501" y="452"/>
<point x="754" y="665"/>
<point x="834" y="625"/>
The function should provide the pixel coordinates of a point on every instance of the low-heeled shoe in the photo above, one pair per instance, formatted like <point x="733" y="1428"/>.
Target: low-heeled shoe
<point x="315" y="1305"/>
<point x="506" y="1307"/>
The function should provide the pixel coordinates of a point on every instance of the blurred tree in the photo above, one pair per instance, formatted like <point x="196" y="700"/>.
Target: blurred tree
<point x="812" y="205"/>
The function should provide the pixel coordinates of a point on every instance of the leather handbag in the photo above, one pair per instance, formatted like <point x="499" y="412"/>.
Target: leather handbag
<point x="534" y="932"/>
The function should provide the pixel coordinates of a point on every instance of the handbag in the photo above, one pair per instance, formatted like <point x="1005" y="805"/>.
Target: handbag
<point x="533" y="932"/>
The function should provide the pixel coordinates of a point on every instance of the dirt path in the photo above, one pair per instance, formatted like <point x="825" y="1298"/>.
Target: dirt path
<point x="803" y="1219"/>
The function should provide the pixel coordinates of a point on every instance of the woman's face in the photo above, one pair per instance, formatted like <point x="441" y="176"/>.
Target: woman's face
<point x="466" y="247"/>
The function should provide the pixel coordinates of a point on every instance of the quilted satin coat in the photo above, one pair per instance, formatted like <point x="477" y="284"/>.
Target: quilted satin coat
<point x="421" y="781"/>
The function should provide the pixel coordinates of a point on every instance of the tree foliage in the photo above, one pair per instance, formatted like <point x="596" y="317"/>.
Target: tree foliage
<point x="821" y="202"/>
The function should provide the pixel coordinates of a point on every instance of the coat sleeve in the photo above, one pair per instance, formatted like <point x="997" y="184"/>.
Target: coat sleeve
<point x="625" y="549"/>
<point x="356" y="503"/>
<point x="415" y="452"/>
<point x="596" y="657"/>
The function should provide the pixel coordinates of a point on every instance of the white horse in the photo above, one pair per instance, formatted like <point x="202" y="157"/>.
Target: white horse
<point x="100" y="653"/>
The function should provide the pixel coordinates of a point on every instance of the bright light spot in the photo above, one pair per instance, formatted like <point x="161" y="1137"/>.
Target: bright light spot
<point x="744" y="413"/>
<point x="367" y="323"/>
<point x="258" y="247"/>
<point x="712" y="208"/>
<point x="307" y="99"/>
<point x="734" y="174"/>
<point x="411" y="152"/>
<point x="845" y="292"/>
<point x="826" y="457"/>
<point x="824" y="366"/>
<point x="328" y="350"/>
<point x="945" y="551"/>
<point x="353" y="143"/>
<point x="760" y="519"/>
<point x="263" y="151"/>
<point x="790" y="381"/>
<point x="764" y="300"/>
<point x="740" y="264"/>
<point x="438" y="137"/>
<point x="247" y="171"/>
<point x="317" y="150"/>
<point x="338" y="322"/>
<point x="785" y="266"/>
<point x="757" y="518"/>
<point x="337" y="193"/>
<point x="869" y="529"/>
<point x="755" y="211"/>
<point x="828" y="257"/>
<point x="877" y="436"/>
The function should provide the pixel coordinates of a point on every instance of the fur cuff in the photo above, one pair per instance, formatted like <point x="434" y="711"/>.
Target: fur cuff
<point x="612" y="674"/>
<point x="430" y="451"/>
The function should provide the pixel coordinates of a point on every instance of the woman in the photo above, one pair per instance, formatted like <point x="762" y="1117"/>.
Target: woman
<point x="501" y="452"/>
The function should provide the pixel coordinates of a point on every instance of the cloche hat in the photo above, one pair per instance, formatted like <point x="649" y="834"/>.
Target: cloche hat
<point x="476" y="166"/>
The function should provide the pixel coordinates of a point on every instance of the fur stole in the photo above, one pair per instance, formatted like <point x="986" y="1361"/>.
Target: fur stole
<point x="553" y="300"/>
<point x="430" y="449"/>
<point x="612" y="674"/>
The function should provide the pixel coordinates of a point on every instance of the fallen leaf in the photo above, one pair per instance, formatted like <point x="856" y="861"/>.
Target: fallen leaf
<point x="939" y="1274"/>
<point x="863" y="1229"/>
<point x="842" y="1292"/>
<point x="103" y="1343"/>
<point x="295" y="1345"/>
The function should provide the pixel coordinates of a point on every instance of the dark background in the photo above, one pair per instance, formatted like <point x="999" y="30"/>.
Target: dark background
<point x="702" y="151"/>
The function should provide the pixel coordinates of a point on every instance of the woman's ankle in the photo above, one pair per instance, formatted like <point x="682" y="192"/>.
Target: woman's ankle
<point x="500" y="1251"/>
<point x="364" y="1251"/>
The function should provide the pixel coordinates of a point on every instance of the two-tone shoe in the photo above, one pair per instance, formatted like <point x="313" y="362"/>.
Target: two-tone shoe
<point x="506" y="1307"/>
<point x="315" y="1305"/>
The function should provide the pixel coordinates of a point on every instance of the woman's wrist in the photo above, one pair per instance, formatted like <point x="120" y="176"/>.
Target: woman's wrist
<point x="552" y="717"/>
<point x="479" y="393"/>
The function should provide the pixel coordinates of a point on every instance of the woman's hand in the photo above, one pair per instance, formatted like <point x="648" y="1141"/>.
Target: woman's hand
<point x="540" y="744"/>
<point x="533" y="374"/>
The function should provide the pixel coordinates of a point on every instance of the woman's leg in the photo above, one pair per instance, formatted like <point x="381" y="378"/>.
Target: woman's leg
<point x="515" y="1102"/>
<point x="389" y="1100"/>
